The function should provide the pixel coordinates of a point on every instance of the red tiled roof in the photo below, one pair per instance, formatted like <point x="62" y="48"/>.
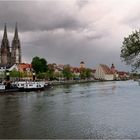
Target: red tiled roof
<point x="106" y="69"/>
<point x="122" y="73"/>
<point x="75" y="69"/>
<point x="24" y="65"/>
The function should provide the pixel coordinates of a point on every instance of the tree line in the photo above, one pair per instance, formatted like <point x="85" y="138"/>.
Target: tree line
<point x="47" y="71"/>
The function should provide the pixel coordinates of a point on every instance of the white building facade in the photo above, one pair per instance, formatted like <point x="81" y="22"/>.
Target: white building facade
<point x="103" y="72"/>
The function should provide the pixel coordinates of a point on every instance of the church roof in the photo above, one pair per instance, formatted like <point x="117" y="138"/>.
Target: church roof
<point x="6" y="66"/>
<point x="24" y="65"/>
<point x="106" y="69"/>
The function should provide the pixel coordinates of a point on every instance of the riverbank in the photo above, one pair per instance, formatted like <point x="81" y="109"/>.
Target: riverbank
<point x="56" y="83"/>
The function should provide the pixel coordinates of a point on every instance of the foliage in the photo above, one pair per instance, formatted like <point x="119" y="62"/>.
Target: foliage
<point x="82" y="73"/>
<point x="50" y="72"/>
<point x="67" y="72"/>
<point x="58" y="75"/>
<point x="135" y="75"/>
<point x="25" y="74"/>
<point x="44" y="71"/>
<point x="130" y="51"/>
<point x="85" y="73"/>
<point x="39" y="64"/>
<point x="2" y="75"/>
<point x="15" y="73"/>
<point x="44" y="64"/>
<point x="88" y="73"/>
<point x="41" y="75"/>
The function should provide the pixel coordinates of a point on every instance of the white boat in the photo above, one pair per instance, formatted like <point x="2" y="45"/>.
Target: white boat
<point x="2" y="88"/>
<point x="30" y="85"/>
<point x="8" y="88"/>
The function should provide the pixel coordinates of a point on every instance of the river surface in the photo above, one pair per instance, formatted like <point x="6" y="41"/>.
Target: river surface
<point x="84" y="111"/>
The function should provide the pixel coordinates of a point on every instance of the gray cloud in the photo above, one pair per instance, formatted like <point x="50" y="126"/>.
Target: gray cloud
<point x="82" y="3"/>
<point x="69" y="31"/>
<point x="44" y="15"/>
<point x="133" y="20"/>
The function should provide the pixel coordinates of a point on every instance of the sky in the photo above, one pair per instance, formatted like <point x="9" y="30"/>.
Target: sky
<point x="71" y="31"/>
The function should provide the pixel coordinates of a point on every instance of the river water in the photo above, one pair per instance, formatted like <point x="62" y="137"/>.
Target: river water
<point x="84" y="111"/>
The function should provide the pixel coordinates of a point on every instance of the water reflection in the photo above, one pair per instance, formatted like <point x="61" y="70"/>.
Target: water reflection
<point x="10" y="116"/>
<point x="108" y="91"/>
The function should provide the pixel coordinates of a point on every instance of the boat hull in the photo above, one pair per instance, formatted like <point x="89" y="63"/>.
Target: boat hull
<point x="30" y="89"/>
<point x="9" y="90"/>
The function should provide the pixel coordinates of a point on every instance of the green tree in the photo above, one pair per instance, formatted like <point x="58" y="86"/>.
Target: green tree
<point x="15" y="73"/>
<point x="58" y="75"/>
<point x="130" y="50"/>
<point x="85" y="73"/>
<point x="88" y="73"/>
<point x="50" y="72"/>
<point x="67" y="72"/>
<point x="41" y="75"/>
<point x="44" y="64"/>
<point x="39" y="64"/>
<point x="82" y="73"/>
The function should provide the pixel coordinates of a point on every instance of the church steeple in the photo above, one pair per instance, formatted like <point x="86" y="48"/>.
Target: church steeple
<point x="113" y="68"/>
<point x="5" y="32"/>
<point x="16" y="32"/>
<point x="5" y="49"/>
<point x="16" y="49"/>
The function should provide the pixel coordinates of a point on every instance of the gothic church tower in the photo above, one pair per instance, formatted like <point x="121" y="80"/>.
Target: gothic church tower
<point x="5" y="49"/>
<point x="16" y="48"/>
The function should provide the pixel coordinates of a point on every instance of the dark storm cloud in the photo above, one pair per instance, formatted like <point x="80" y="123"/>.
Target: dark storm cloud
<point x="69" y="31"/>
<point x="44" y="15"/>
<point x="65" y="47"/>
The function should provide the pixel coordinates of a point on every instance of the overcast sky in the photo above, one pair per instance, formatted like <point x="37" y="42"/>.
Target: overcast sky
<point x="71" y="31"/>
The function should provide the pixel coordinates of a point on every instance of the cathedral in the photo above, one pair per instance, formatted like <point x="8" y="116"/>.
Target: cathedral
<point x="10" y="54"/>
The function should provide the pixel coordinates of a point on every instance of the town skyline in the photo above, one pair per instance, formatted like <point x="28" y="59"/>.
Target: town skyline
<point x="77" y="30"/>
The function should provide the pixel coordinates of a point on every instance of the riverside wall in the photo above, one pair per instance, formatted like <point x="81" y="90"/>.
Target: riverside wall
<point x="55" y="83"/>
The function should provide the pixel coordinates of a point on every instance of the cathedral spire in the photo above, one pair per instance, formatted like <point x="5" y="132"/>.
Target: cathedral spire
<point x="16" y="32"/>
<point x="5" y="32"/>
<point x="5" y="49"/>
<point x="16" y="48"/>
